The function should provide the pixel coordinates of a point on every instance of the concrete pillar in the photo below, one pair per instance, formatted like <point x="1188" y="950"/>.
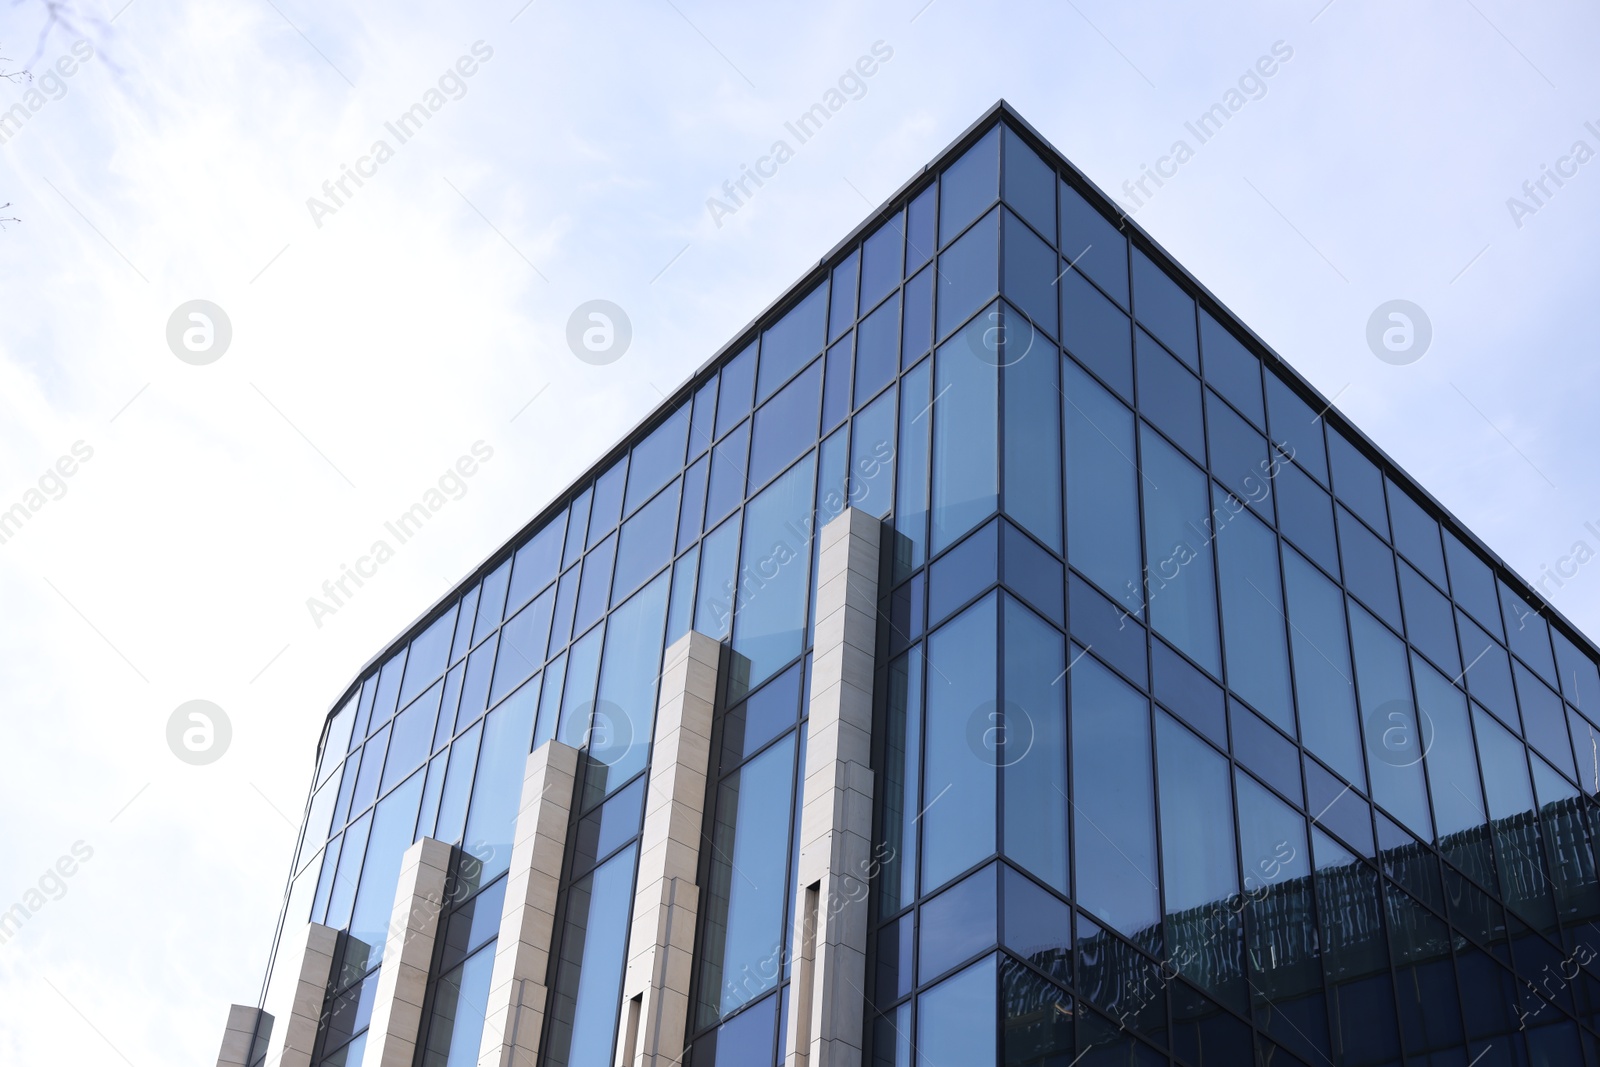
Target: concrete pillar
<point x="408" y="955"/>
<point x="238" y="1035"/>
<point x="308" y="952"/>
<point x="666" y="904"/>
<point x="515" y="1020"/>
<point x="827" y="990"/>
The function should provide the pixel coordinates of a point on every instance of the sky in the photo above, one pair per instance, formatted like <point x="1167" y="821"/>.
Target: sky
<point x="185" y="497"/>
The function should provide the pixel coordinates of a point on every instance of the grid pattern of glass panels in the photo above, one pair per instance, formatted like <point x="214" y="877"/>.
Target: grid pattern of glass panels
<point x="1303" y="777"/>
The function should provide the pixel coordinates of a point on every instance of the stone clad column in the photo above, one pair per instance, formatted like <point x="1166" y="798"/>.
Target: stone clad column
<point x="514" y="1023"/>
<point x="827" y="991"/>
<point x="407" y="955"/>
<point x="238" y="1035"/>
<point x="309" y="954"/>
<point x="666" y="903"/>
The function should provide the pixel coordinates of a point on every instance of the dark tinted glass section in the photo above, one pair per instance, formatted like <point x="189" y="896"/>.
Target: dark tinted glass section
<point x="877" y="350"/>
<point x="1268" y="753"/>
<point x="1163" y="308"/>
<point x="1033" y="574"/>
<point x="1188" y="693"/>
<point x="1032" y="431"/>
<point x="727" y="473"/>
<point x="1097" y="333"/>
<point x="1100" y="624"/>
<point x="738" y="379"/>
<point x="1305" y="515"/>
<point x="607" y="506"/>
<point x="1232" y="369"/>
<point x="1416" y="535"/>
<point x="646" y="544"/>
<point x="969" y="185"/>
<point x="836" y="382"/>
<point x="1030" y="185"/>
<point x="963" y="572"/>
<point x="1358" y="483"/>
<point x="1169" y="396"/>
<point x="882" y="260"/>
<point x="1580" y="680"/>
<point x="919" y="228"/>
<point x="1296" y="428"/>
<point x="1488" y="669"/>
<point x="1239" y="456"/>
<point x="969" y="273"/>
<point x="1472" y="584"/>
<point x="1369" y="568"/>
<point x="1094" y="245"/>
<point x="1429" y="620"/>
<point x="785" y="426"/>
<point x="1544" y="720"/>
<point x="918" y="335"/>
<point x="789" y="345"/>
<point x="1030" y="275"/>
<point x="656" y="461"/>
<point x="1102" y="489"/>
<point x="1526" y="632"/>
<point x="1038" y="926"/>
<point x="957" y="924"/>
<point x="842" y="295"/>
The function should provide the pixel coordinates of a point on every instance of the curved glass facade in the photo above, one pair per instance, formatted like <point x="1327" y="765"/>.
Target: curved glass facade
<point x="1201" y="735"/>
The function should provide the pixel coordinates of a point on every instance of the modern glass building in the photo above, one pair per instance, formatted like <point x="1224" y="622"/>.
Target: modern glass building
<point x="995" y="655"/>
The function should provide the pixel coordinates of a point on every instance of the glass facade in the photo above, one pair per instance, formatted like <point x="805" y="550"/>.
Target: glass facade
<point x="1202" y="735"/>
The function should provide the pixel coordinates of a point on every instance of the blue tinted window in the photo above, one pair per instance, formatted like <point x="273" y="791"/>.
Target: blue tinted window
<point x="1296" y="428"/>
<point x="719" y="555"/>
<point x="1580" y="680"/>
<point x="468" y="611"/>
<point x="680" y="612"/>
<point x="1324" y="688"/>
<point x="705" y="418"/>
<point x="577" y="531"/>
<point x="691" y="517"/>
<point x="785" y="426"/>
<point x="872" y="457"/>
<point x="743" y="1041"/>
<point x="877" y="350"/>
<point x="492" y="601"/>
<point x="911" y="509"/>
<point x="607" y="506"/>
<point x="343" y="893"/>
<point x="1526" y="632"/>
<point x="1239" y="456"/>
<point x="428" y="656"/>
<point x="1509" y="791"/>
<point x="1265" y="751"/>
<point x="1163" y="308"/>
<point x="1416" y="535"/>
<point x="882" y="257"/>
<point x="1115" y="828"/>
<point x="535" y="565"/>
<point x="1102" y="489"/>
<point x="646" y="544"/>
<point x="459" y="1005"/>
<point x="431" y="792"/>
<point x="566" y="604"/>
<point x="1369" y="568"/>
<point x="836" y="383"/>
<point x="965" y="428"/>
<point x="448" y="706"/>
<point x="969" y="273"/>
<point x="768" y="712"/>
<point x="1032" y="435"/>
<point x="1033" y="574"/>
<point x="901" y="809"/>
<point x="1031" y="267"/>
<point x="1472" y="584"/>
<point x="371" y="773"/>
<point x="957" y="1018"/>
<point x="1488" y="669"/>
<point x="388" y="696"/>
<point x="1033" y="746"/>
<point x="957" y="924"/>
<point x="1182" y="595"/>
<point x="919" y="228"/>
<point x="625" y="697"/>
<point x="1197" y="847"/>
<point x="1232" y="369"/>
<point x="969" y="185"/>
<point x="1098" y="334"/>
<point x="1030" y="185"/>
<point x="727" y="473"/>
<point x="411" y="738"/>
<point x="789" y="345"/>
<point x="1544" y="721"/>
<point x="1252" y="614"/>
<point x="1357" y="482"/>
<point x="1305" y="515"/>
<point x="1395" y="735"/>
<point x="738" y="379"/>
<point x="959" y="830"/>
<point x="497" y="789"/>
<point x="774" y="573"/>
<point x="1094" y="245"/>
<point x="656" y="460"/>
<point x="749" y="877"/>
<point x="1272" y="843"/>
<point x="594" y="593"/>
<point x="918" y="336"/>
<point x="842" y="298"/>
<point x="1452" y="761"/>
<point x="577" y="696"/>
<point x="392" y="827"/>
<point x="1169" y="396"/>
<point x="1098" y="622"/>
<point x="1430" y="624"/>
<point x="583" y="1016"/>
<point x="1038" y="926"/>
<point x="458" y="786"/>
<point x="522" y="646"/>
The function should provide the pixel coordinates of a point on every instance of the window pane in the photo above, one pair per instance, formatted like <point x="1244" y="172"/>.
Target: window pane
<point x="1030" y="185"/>
<point x="1510" y="794"/>
<point x="583" y="1004"/>
<point x="1472" y="584"/>
<point x="497" y="790"/>
<point x="1094" y="245"/>
<point x="1305" y="515"/>
<point x="1115" y="844"/>
<point x="1296" y="428"/>
<point x="1098" y="334"/>
<point x="1163" y="308"/>
<point x="790" y="344"/>
<point x="1544" y="720"/>
<point x="680" y="611"/>
<point x="957" y="924"/>
<point x="1416" y="535"/>
<point x="719" y="555"/>
<point x="918" y="335"/>
<point x="774" y="571"/>
<point x="460" y="1001"/>
<point x="1395" y="738"/>
<point x="594" y="592"/>
<point x="1033" y="745"/>
<point x="428" y="656"/>
<point x="1169" y="396"/>
<point x="1102" y="490"/>
<point x="1526" y="631"/>
<point x="1252" y="613"/>
<point x="836" y="382"/>
<point x="388" y="694"/>
<point x="343" y="893"/>
<point x="1239" y="456"/>
<point x="920" y="227"/>
<point x="692" y="513"/>
<point x="1182" y="595"/>
<point x="1430" y="624"/>
<point x="738" y="379"/>
<point x="877" y="350"/>
<point x="882" y="258"/>
<point x="969" y="185"/>
<point x="1580" y="679"/>
<point x="1031" y="268"/>
<point x="911" y="508"/>
<point x="458" y="786"/>
<point x="969" y="273"/>
<point x="958" y="828"/>
<point x="1488" y="669"/>
<point x="872" y="457"/>
<point x="965" y="428"/>
<point x="656" y="460"/>
<point x="1369" y="568"/>
<point x="522" y="645"/>
<point x="745" y="899"/>
<point x="1033" y="436"/>
<point x="785" y="427"/>
<point x="392" y="830"/>
<point x="646" y="544"/>
<point x="728" y="458"/>
<point x="1232" y="369"/>
<point x="625" y="702"/>
<point x="1453" y="773"/>
<point x="956" y="1020"/>
<point x="577" y="533"/>
<point x="606" y="508"/>
<point x="842" y="296"/>
<point x="410" y="739"/>
<point x="897" y="885"/>
<point x="1357" y="482"/>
